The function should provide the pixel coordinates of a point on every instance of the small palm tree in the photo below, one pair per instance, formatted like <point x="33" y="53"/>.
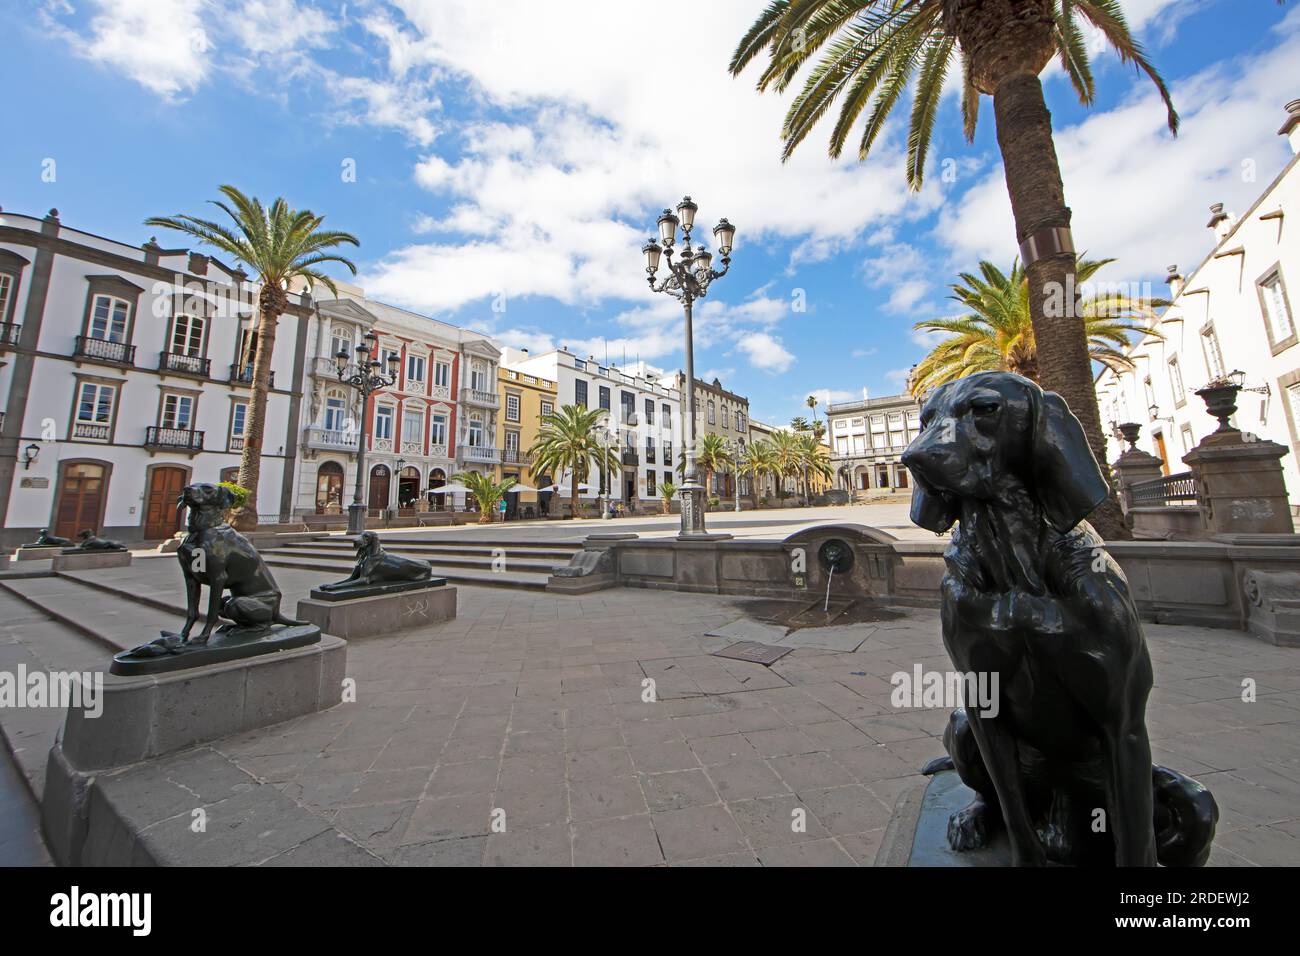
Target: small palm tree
<point x="666" y="491"/>
<point x="867" y="52"/>
<point x="997" y="333"/>
<point x="713" y="454"/>
<point x="570" y="440"/>
<point x="760" y="461"/>
<point x="487" y="491"/>
<point x="280" y="245"/>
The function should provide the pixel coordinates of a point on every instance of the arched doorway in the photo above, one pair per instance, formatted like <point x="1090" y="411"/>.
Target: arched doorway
<point x="162" y="518"/>
<point x="83" y="487"/>
<point x="329" y="488"/>
<point x="437" y="478"/>
<point x="408" y="486"/>
<point x="379" y="481"/>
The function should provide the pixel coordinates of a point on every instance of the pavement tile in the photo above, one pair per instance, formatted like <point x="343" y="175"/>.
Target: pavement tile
<point x="678" y="789"/>
<point x="697" y="832"/>
<point x="629" y="841"/>
<point x="595" y="799"/>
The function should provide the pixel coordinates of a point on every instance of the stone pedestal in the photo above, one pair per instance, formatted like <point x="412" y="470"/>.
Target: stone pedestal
<point x="91" y="560"/>
<point x="1134" y="466"/>
<point x="381" y="614"/>
<point x="1240" y="484"/>
<point x="143" y="717"/>
<point x="27" y="553"/>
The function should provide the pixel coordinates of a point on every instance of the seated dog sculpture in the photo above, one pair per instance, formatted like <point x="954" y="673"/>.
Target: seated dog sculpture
<point x="375" y="566"/>
<point x="47" y="540"/>
<point x="1031" y="597"/>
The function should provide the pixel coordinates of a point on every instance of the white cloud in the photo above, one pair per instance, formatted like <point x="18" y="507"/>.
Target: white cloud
<point x="276" y="26"/>
<point x="765" y="352"/>
<point x="164" y="47"/>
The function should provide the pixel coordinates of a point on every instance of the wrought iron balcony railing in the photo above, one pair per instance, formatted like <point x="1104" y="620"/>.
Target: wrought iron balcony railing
<point x="9" y="332"/>
<point x="102" y="350"/>
<point x="243" y="375"/>
<point x="186" y="439"/>
<point x="1179" y="489"/>
<point x="91" y="430"/>
<point x="184" y="364"/>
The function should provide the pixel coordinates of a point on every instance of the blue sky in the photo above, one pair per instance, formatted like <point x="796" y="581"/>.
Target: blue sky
<point x="510" y="156"/>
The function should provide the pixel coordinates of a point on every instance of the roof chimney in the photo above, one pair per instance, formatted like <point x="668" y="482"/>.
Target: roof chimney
<point x="1175" y="282"/>
<point x="1220" y="221"/>
<point x="1291" y="128"/>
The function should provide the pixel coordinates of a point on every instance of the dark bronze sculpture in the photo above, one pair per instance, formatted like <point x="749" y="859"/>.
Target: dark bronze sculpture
<point x="89" y="541"/>
<point x="215" y="554"/>
<point x="47" y="540"/>
<point x="1061" y="759"/>
<point x="376" y="567"/>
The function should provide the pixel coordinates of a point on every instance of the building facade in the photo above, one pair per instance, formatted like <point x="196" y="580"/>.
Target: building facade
<point x="1232" y="313"/>
<point x="643" y="420"/>
<point x="720" y="412"/>
<point x="868" y="438"/>
<point x="124" y="376"/>
<point x="525" y="400"/>
<point x="439" y="418"/>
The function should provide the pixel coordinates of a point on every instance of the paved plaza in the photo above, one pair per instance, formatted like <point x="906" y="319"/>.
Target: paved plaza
<point x="527" y="712"/>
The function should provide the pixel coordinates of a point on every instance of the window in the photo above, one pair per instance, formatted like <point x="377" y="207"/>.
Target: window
<point x="726" y="418"/>
<point x="1277" y="312"/>
<point x="412" y="424"/>
<point x="548" y="408"/>
<point x="604" y="397"/>
<point x="178" y="411"/>
<point x="740" y="421"/>
<point x="108" y="319"/>
<point x="512" y="446"/>
<point x="478" y="378"/>
<point x="649" y="411"/>
<point x="712" y="419"/>
<point x="1213" y="354"/>
<point x="580" y="392"/>
<point x="1176" y="380"/>
<point x="335" y="412"/>
<point x="842" y="444"/>
<point x="6" y="294"/>
<point x="415" y="368"/>
<point x="651" y="489"/>
<point x="512" y="408"/>
<point x="438" y="430"/>
<point x="1189" y="442"/>
<point x="1150" y="396"/>
<point x="667" y="413"/>
<point x="628" y="401"/>
<point x="841" y="424"/>
<point x="475" y="431"/>
<point x="340" y="341"/>
<point x="238" y="419"/>
<point x="384" y="421"/>
<point x="649" y="448"/>
<point x="187" y="335"/>
<point x="441" y="374"/>
<point x="95" y="404"/>
<point x="668" y="453"/>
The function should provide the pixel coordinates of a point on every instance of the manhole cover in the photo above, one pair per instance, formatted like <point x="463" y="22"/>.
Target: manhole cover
<point x="753" y="652"/>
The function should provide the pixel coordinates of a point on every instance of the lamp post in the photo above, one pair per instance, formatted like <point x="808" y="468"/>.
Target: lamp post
<point x="739" y="468"/>
<point x="607" y="439"/>
<point x="366" y="376"/>
<point x="688" y="279"/>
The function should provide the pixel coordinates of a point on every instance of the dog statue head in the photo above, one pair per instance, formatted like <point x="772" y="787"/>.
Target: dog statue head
<point x="979" y="431"/>
<point x="205" y="497"/>
<point x="367" y="543"/>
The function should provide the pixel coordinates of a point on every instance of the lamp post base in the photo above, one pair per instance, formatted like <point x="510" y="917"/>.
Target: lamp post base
<point x="693" y="506"/>
<point x="356" y="518"/>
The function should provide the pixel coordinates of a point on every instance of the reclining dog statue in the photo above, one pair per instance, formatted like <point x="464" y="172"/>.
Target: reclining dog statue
<point x="376" y="567"/>
<point x="89" y="541"/>
<point x="47" y="540"/>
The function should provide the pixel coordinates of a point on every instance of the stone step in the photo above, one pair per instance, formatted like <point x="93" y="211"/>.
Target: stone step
<point x="392" y="541"/>
<point x="117" y="620"/>
<point x="560" y="553"/>
<point x="484" y="562"/>
<point x="484" y="577"/>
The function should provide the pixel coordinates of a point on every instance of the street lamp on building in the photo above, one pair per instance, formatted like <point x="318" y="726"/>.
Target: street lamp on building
<point x="688" y="279"/>
<point x="366" y="375"/>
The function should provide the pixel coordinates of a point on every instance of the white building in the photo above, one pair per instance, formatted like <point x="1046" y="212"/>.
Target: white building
<point x="645" y="416"/>
<point x="438" y="419"/>
<point x="868" y="438"/>
<point x="124" y="375"/>
<point x="1232" y="312"/>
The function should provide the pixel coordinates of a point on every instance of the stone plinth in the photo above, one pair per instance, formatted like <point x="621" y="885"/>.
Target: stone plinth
<point x="1240" y="484"/>
<point x="145" y="717"/>
<point x="382" y="614"/>
<point x="1131" y="467"/>
<point x="91" y="560"/>
<point x="28" y="553"/>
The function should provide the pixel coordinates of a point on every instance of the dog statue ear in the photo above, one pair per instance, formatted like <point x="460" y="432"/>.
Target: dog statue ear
<point x="1067" y="479"/>
<point x="930" y="510"/>
<point x="225" y="497"/>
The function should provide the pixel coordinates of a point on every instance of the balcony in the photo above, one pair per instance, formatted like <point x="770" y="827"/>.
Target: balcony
<point x="330" y="439"/>
<point x="513" y="456"/>
<point x="630" y="457"/>
<point x="243" y="375"/>
<point x="237" y="443"/>
<point x="194" y="365"/>
<point x="486" y="456"/>
<point x="325" y="368"/>
<point x="473" y="396"/>
<point x="102" y="350"/>
<point x="173" y="439"/>
<point x="91" y="431"/>
<point x="9" y="332"/>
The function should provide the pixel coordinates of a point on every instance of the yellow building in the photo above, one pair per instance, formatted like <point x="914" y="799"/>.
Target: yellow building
<point x="524" y="400"/>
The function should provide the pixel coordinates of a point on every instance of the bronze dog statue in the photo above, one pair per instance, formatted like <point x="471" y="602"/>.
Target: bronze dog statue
<point x="215" y="554"/>
<point x="376" y="566"/>
<point x="87" y="540"/>
<point x="1032" y="598"/>
<point x="47" y="540"/>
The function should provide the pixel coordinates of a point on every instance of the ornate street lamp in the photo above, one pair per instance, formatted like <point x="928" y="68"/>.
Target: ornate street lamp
<point x="688" y="279"/>
<point x="366" y="375"/>
<point x="739" y="468"/>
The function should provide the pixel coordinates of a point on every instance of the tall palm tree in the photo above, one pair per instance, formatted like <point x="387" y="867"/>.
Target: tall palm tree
<point x="811" y="402"/>
<point x="1001" y="46"/>
<point x="486" y="490"/>
<point x="997" y="334"/>
<point x="759" y="462"/>
<point x="786" y="458"/>
<point x="713" y="454"/>
<point x="814" y="462"/>
<point x="280" y="245"/>
<point x="569" y="440"/>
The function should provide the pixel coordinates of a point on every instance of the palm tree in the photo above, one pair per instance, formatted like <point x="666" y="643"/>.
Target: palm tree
<point x="785" y="459"/>
<point x="280" y="245"/>
<point x="878" y="46"/>
<point x="666" y="491"/>
<point x="811" y="402"/>
<point x="569" y="440"/>
<point x="713" y="454"/>
<point x="486" y="491"/>
<point x="998" y="335"/>
<point x="814" y="462"/>
<point x="759" y="462"/>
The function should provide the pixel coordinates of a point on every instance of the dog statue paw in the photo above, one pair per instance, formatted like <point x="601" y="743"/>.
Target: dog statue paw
<point x="968" y="827"/>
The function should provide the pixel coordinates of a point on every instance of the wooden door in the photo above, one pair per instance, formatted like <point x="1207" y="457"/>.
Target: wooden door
<point x="162" y="517"/>
<point x="329" y="488"/>
<point x="378" y="488"/>
<point x="81" y="498"/>
<point x="1162" y="452"/>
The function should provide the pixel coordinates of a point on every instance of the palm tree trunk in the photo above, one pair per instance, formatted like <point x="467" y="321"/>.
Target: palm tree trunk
<point x="250" y="463"/>
<point x="1033" y="174"/>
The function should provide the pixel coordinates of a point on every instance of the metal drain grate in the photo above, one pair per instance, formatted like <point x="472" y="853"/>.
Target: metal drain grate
<point x="754" y="652"/>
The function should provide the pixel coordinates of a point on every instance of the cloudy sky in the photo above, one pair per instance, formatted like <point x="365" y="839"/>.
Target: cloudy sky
<point x="502" y="161"/>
